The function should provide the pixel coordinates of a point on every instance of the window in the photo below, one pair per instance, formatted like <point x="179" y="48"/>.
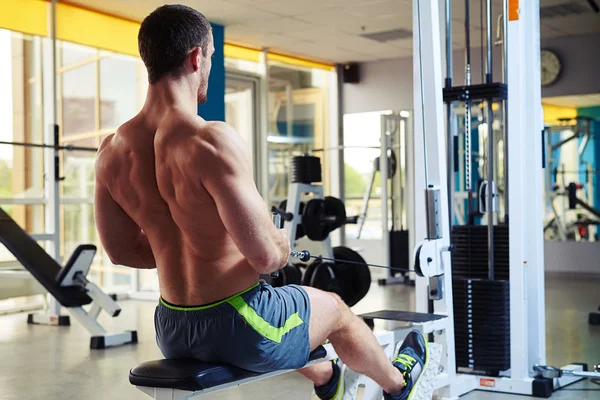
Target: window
<point x="99" y="91"/>
<point x="297" y="122"/>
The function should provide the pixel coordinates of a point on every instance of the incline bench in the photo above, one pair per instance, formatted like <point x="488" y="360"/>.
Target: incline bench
<point x="68" y="285"/>
<point x="184" y="379"/>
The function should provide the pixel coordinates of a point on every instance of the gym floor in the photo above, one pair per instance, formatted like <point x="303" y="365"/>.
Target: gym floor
<point x="42" y="362"/>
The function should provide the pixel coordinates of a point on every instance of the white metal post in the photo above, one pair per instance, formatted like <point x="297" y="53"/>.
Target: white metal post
<point x="50" y="118"/>
<point x="383" y="174"/>
<point x="430" y="155"/>
<point x="527" y="312"/>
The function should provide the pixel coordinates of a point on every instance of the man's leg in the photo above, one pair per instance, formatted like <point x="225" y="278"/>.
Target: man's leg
<point x="351" y="338"/>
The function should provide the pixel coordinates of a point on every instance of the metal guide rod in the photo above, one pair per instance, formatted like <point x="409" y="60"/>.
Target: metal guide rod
<point x="468" y="109"/>
<point x="504" y="107"/>
<point x="489" y="40"/>
<point x="448" y="43"/>
<point x="490" y="122"/>
<point x="490" y="191"/>
<point x="451" y="139"/>
<point x="481" y="43"/>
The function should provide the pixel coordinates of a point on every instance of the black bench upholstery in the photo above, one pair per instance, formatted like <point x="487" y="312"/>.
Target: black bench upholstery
<point x="193" y="375"/>
<point x="39" y="263"/>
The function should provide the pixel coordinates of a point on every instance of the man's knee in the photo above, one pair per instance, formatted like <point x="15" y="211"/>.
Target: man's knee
<point x="340" y="309"/>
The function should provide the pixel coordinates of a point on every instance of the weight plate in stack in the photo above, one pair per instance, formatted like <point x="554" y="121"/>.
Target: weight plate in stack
<point x="306" y="169"/>
<point x="482" y="324"/>
<point x="470" y="255"/>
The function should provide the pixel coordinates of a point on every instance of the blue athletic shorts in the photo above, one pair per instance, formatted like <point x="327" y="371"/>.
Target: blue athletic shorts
<point x="260" y="329"/>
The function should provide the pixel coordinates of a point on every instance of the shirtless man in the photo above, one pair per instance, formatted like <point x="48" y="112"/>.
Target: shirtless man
<point x="175" y="192"/>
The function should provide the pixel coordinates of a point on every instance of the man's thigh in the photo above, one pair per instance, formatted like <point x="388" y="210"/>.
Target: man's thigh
<point x="326" y="311"/>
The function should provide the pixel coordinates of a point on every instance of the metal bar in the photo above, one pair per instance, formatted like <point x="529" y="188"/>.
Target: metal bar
<point x="467" y="34"/>
<point x="564" y="141"/>
<point x="490" y="189"/>
<point x="588" y="208"/>
<point x="488" y="27"/>
<point x="448" y="43"/>
<point x="342" y="147"/>
<point x="451" y="171"/>
<point x="504" y="106"/>
<point x="49" y="146"/>
<point x="383" y="174"/>
<point x="365" y="205"/>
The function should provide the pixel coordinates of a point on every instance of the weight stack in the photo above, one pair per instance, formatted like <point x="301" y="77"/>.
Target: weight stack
<point x="481" y="305"/>
<point x="482" y="324"/>
<point x="470" y="256"/>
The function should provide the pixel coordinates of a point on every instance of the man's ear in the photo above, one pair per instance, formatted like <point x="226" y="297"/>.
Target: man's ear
<point x="196" y="58"/>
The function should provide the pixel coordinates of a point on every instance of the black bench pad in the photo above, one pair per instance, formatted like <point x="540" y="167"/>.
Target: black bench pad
<point x="193" y="375"/>
<point x="39" y="263"/>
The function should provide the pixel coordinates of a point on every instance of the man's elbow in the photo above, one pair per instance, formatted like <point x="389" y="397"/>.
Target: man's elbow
<point x="114" y="258"/>
<point x="266" y="264"/>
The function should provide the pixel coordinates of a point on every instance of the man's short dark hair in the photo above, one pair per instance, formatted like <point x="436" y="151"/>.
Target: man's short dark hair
<point x="166" y="37"/>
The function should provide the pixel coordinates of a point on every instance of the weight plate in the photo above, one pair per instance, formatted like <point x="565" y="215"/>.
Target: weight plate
<point x="313" y="220"/>
<point x="356" y="278"/>
<point x="309" y="272"/>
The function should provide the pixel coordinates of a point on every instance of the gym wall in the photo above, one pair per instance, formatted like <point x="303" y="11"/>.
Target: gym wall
<point x="388" y="84"/>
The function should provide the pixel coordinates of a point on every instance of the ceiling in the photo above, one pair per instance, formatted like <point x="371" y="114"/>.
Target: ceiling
<point x="578" y="101"/>
<point x="332" y="30"/>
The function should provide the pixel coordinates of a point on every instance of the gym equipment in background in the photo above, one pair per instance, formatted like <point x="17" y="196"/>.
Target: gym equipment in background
<point x="68" y="285"/>
<point x="316" y="218"/>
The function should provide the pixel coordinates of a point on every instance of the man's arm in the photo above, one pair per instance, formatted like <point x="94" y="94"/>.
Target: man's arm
<point x="226" y="175"/>
<point x="123" y="240"/>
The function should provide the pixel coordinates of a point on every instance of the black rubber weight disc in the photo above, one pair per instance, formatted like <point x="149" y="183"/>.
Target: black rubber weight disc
<point x="355" y="279"/>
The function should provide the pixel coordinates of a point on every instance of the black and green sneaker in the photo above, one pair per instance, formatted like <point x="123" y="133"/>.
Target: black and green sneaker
<point x="412" y="361"/>
<point x="342" y="385"/>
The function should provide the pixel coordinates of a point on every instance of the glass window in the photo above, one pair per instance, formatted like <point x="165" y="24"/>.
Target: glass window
<point x="72" y="53"/>
<point x="297" y="122"/>
<point x="362" y="133"/>
<point x="78" y="226"/>
<point x="118" y="94"/>
<point x="79" y="100"/>
<point x="78" y="170"/>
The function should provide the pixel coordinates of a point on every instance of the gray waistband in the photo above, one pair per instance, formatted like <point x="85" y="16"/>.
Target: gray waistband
<point x="219" y="308"/>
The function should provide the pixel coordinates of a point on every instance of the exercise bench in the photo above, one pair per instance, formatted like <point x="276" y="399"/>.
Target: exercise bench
<point x="68" y="285"/>
<point x="185" y="379"/>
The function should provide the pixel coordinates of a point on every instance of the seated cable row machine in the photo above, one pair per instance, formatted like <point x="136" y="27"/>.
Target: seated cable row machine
<point x="457" y="307"/>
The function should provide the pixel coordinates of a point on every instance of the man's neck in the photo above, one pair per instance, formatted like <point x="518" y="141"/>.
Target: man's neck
<point x="168" y="94"/>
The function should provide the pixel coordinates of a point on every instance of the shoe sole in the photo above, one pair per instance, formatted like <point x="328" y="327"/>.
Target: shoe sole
<point x="423" y="389"/>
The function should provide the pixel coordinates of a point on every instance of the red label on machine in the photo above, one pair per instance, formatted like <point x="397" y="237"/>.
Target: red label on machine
<point x="484" y="382"/>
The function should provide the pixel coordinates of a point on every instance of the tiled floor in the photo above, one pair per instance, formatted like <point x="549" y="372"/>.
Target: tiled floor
<point x="38" y="362"/>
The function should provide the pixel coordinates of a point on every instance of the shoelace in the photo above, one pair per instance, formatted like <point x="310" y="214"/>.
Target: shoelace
<point x="408" y="362"/>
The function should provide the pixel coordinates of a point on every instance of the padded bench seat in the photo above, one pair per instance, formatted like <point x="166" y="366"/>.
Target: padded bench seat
<point x="193" y="375"/>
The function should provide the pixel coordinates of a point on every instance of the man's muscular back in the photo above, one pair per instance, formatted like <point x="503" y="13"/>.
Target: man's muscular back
<point x="181" y="197"/>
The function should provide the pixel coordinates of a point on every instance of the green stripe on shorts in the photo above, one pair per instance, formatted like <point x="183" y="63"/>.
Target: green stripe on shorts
<point x="261" y="326"/>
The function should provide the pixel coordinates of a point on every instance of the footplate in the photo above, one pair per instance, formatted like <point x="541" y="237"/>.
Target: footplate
<point x="428" y="322"/>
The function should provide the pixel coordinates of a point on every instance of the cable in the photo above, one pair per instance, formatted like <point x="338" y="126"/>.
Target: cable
<point x="304" y="255"/>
